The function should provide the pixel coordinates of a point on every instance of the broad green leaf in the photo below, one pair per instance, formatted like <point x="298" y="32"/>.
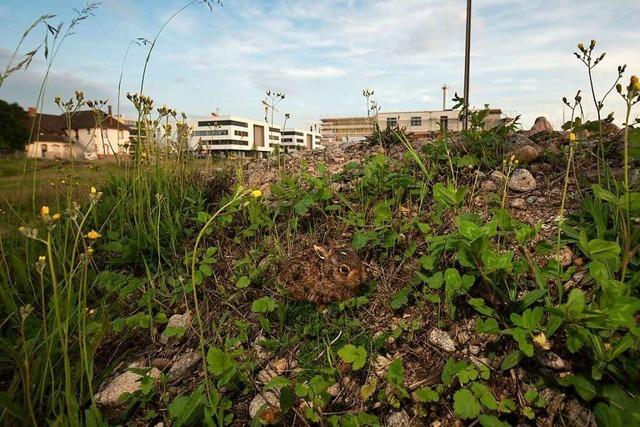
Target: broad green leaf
<point x="511" y="360"/>
<point x="356" y="356"/>
<point x="426" y="395"/>
<point x="264" y="305"/>
<point x="465" y="404"/>
<point x="583" y="386"/>
<point x="243" y="282"/>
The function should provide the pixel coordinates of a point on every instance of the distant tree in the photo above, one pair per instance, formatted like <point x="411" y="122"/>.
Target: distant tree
<point x="13" y="126"/>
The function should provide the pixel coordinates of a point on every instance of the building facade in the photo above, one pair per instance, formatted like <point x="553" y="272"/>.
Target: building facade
<point x="227" y="136"/>
<point x="85" y="135"/>
<point x="419" y="123"/>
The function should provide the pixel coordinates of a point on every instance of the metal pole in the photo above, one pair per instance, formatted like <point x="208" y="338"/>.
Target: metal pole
<point x="444" y="96"/>
<point x="467" y="55"/>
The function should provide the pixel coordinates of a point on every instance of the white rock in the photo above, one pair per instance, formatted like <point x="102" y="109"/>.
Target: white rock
<point x="183" y="365"/>
<point x="126" y="382"/>
<point x="261" y="353"/>
<point x="521" y="180"/>
<point x="442" y="340"/>
<point x="551" y="360"/>
<point x="176" y="321"/>
<point x="398" y="419"/>
<point x="381" y="365"/>
<point x="497" y="177"/>
<point x="270" y="399"/>
<point x="518" y="203"/>
<point x="488" y="186"/>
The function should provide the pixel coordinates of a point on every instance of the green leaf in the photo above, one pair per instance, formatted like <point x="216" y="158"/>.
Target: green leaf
<point x="481" y="307"/>
<point x="583" y="386"/>
<point x="303" y="205"/>
<point x="395" y="373"/>
<point x="400" y="298"/>
<point x="484" y="394"/>
<point x="426" y="395"/>
<point x="264" y="305"/>
<point x="511" y="360"/>
<point x="575" y="302"/>
<point x="494" y="261"/>
<point x="602" y="249"/>
<point x="465" y="404"/>
<point x="277" y="382"/>
<point x="491" y="421"/>
<point x="218" y="362"/>
<point x="356" y="356"/>
<point x="243" y="282"/>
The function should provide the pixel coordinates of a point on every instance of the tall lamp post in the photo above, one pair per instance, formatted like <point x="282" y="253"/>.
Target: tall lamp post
<point x="467" y="54"/>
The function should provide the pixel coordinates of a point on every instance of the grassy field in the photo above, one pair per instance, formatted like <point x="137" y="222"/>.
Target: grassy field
<point x="54" y="181"/>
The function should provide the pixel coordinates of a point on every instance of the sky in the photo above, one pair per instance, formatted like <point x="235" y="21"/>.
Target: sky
<point x="323" y="53"/>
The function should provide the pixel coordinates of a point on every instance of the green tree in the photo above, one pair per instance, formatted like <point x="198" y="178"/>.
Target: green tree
<point x="13" y="126"/>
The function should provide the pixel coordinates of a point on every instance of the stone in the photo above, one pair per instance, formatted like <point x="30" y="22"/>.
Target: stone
<point x="532" y="199"/>
<point x="442" y="340"/>
<point x="280" y="365"/>
<point x="541" y="125"/>
<point x="176" y="321"/>
<point x="565" y="257"/>
<point x="526" y="154"/>
<point x="463" y="337"/>
<point x="479" y="174"/>
<point x="261" y="354"/>
<point x="109" y="397"/>
<point x="398" y="419"/>
<point x="263" y="401"/>
<point x="518" y="203"/>
<point x="554" y="400"/>
<point x="521" y="180"/>
<point x="474" y="349"/>
<point x="265" y="375"/>
<point x="488" y="186"/>
<point x="551" y="360"/>
<point x="577" y="415"/>
<point x="497" y="177"/>
<point x="381" y="365"/>
<point x="334" y="390"/>
<point x="183" y="365"/>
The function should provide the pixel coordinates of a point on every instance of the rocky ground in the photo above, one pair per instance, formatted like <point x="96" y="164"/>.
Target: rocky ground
<point x="533" y="195"/>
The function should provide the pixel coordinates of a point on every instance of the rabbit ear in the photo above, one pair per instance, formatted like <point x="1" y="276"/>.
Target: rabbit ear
<point x="321" y="251"/>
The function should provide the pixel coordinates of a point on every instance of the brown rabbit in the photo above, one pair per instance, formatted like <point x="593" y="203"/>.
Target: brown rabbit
<point x="322" y="274"/>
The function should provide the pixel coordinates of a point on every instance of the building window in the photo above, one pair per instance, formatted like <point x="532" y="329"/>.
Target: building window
<point x="240" y="133"/>
<point x="121" y="134"/>
<point x="392" y="122"/>
<point x="274" y="137"/>
<point x="217" y="132"/>
<point x="416" y="121"/>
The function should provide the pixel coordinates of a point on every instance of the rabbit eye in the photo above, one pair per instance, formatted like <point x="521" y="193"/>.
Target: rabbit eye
<point x="344" y="269"/>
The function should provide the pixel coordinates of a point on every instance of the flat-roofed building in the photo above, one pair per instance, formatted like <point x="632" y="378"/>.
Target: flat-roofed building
<point x="238" y="136"/>
<point x="419" y="123"/>
<point x="297" y="139"/>
<point x="337" y="130"/>
<point x="429" y="123"/>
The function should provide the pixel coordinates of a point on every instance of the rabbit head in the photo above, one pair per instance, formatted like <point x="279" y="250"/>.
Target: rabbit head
<point x="342" y="265"/>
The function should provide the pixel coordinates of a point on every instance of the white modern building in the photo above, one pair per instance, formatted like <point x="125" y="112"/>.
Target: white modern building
<point x="227" y="136"/>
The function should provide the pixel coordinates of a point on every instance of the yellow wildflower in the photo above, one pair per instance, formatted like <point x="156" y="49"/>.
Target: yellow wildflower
<point x="44" y="211"/>
<point x="93" y="235"/>
<point x="42" y="258"/>
<point x="572" y="137"/>
<point x="256" y="193"/>
<point x="55" y="217"/>
<point x="541" y="341"/>
<point x="635" y="83"/>
<point x="93" y="190"/>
